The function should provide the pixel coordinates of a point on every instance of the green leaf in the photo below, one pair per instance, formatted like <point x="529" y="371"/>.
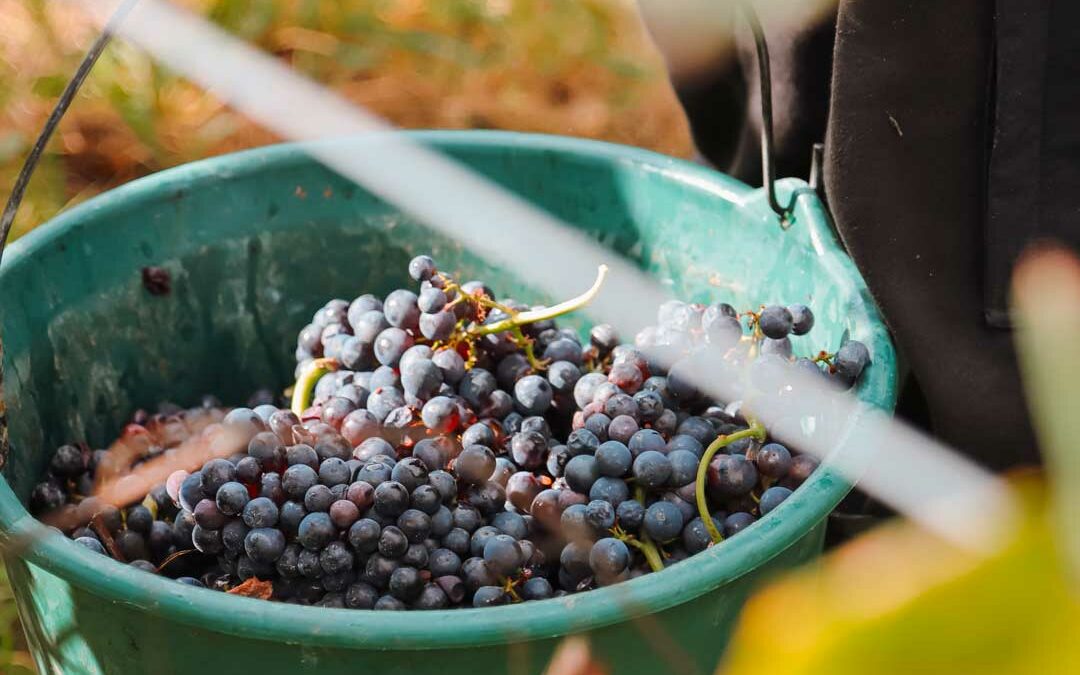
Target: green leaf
<point x="49" y="86"/>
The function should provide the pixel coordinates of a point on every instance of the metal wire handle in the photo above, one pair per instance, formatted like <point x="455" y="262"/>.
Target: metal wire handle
<point x="18" y="191"/>
<point x="768" y="152"/>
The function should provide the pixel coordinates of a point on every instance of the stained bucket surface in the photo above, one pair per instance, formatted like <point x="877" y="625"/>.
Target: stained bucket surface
<point x="254" y="243"/>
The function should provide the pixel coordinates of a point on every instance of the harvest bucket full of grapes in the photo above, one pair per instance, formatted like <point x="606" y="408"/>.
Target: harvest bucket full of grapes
<point x="506" y="487"/>
<point x="273" y="424"/>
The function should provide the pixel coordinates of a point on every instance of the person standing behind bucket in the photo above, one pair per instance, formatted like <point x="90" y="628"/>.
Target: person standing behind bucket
<point x="950" y="146"/>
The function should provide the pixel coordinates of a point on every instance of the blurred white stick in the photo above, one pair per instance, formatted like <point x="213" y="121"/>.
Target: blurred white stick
<point x="919" y="477"/>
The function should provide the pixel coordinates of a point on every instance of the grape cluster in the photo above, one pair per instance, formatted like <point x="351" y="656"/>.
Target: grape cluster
<point x="445" y="449"/>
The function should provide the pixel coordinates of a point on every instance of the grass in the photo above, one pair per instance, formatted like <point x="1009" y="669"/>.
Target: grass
<point x="577" y="67"/>
<point x="14" y="659"/>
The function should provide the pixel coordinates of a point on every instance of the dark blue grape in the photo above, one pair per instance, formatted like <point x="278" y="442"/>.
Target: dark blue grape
<point x="302" y="454"/>
<point x="316" y="531"/>
<point x="528" y="449"/>
<point x="458" y="541"/>
<point x="575" y="559"/>
<point x="609" y="559"/>
<point x="533" y="395"/>
<point x="233" y="535"/>
<point x="451" y="364"/>
<point x="264" y="545"/>
<point x="581" y="472"/>
<point x="478" y="434"/>
<point x="737" y="522"/>
<point x="467" y="517"/>
<point x="582" y="442"/>
<point x="391" y="499"/>
<point x="684" y="467"/>
<point x="437" y="326"/>
<point x="431" y="299"/>
<point x="190" y="493"/>
<point x="613" y="459"/>
<point x="334" y="471"/>
<point x="502" y="554"/>
<point x="695" y="536"/>
<point x="391" y="344"/>
<point x="477" y="385"/>
<point x="574" y="524"/>
<point x="564" y="349"/>
<point x="260" y="512"/>
<point x="231" y="498"/>
<point x="600" y="515"/>
<point x="361" y="595"/>
<point x="651" y="469"/>
<point x="335" y="558"/>
<point x="91" y="543"/>
<point x="563" y="375"/>
<point x="480" y="539"/>
<point x="364" y="535"/>
<point x="489" y="596"/>
<point x="415" y="525"/>
<point x="851" y="359"/>
<point x="474" y="465"/>
<point x="688" y="443"/>
<point x="630" y="514"/>
<point x="431" y="597"/>
<point x="268" y="449"/>
<point x="802" y="319"/>
<point x="410" y="472"/>
<point x="318" y="498"/>
<point x="444" y="483"/>
<point x="775" y="322"/>
<point x="401" y="310"/>
<point x="773" y="461"/>
<point x="731" y="476"/>
<point x="663" y="521"/>
<point x="511" y="524"/>
<point x="536" y="588"/>
<point x="586" y="387"/>
<point x="441" y="414"/>
<point x="444" y="562"/>
<point x="772" y="498"/>
<point x="392" y="542"/>
<point x="598" y="424"/>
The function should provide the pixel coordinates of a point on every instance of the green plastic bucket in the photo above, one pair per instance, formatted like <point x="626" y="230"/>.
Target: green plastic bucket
<point x="255" y="242"/>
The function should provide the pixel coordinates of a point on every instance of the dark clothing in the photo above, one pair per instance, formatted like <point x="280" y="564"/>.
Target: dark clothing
<point x="952" y="140"/>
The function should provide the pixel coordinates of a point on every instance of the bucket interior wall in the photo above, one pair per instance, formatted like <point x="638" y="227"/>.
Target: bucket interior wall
<point x="255" y="243"/>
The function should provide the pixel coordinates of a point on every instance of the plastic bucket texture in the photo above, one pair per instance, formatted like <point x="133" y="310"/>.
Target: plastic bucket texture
<point x="254" y="243"/>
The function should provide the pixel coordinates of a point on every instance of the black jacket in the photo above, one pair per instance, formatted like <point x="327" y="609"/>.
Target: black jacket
<point x="952" y="140"/>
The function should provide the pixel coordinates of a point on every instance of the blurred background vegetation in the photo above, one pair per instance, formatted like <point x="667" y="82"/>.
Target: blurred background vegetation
<point x="576" y="67"/>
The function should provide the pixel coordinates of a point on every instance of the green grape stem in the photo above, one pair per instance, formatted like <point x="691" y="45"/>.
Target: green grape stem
<point x="518" y="319"/>
<point x="645" y="544"/>
<point x="305" y="385"/>
<point x="756" y="431"/>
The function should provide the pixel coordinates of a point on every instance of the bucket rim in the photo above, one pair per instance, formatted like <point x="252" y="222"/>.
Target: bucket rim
<point x="457" y="628"/>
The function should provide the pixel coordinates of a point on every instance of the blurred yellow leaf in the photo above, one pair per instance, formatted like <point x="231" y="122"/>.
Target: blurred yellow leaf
<point x="900" y="601"/>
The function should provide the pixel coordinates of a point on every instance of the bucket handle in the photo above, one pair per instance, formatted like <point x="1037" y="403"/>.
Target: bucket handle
<point x="18" y="191"/>
<point x="768" y="150"/>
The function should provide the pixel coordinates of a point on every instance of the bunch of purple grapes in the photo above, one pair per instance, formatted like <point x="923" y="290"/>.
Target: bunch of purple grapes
<point x="448" y="449"/>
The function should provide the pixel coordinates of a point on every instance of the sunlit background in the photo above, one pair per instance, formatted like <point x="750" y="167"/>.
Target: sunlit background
<point x="576" y="67"/>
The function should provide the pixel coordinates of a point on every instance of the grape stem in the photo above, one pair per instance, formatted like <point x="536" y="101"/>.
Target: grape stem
<point x="756" y="431"/>
<point x="517" y="319"/>
<point x="646" y="545"/>
<point x="305" y="385"/>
